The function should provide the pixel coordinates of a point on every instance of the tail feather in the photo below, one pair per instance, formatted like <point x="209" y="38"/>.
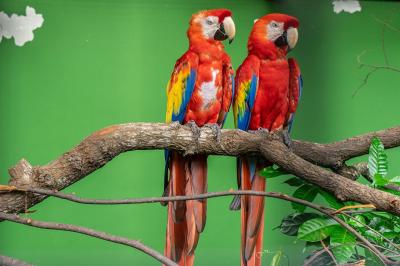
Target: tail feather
<point x="175" y="239"/>
<point x="197" y="179"/>
<point x="192" y="237"/>
<point x="252" y="215"/>
<point x="178" y="185"/>
<point x="256" y="206"/>
<point x="235" y="204"/>
<point x="186" y="220"/>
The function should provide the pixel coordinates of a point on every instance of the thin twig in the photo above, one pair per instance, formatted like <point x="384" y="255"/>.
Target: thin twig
<point x="329" y="252"/>
<point x="374" y="68"/>
<point x="369" y="206"/>
<point x="313" y="257"/>
<point x="327" y="211"/>
<point x="373" y="230"/>
<point x="389" y="26"/>
<point x="90" y="232"/>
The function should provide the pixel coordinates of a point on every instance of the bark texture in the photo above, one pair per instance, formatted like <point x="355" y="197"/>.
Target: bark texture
<point x="303" y="160"/>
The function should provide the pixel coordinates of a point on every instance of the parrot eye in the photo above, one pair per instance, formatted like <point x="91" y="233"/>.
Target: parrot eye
<point x="274" y="24"/>
<point x="209" y="22"/>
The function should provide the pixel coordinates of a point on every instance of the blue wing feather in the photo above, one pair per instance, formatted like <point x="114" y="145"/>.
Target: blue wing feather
<point x="244" y="121"/>
<point x="291" y="118"/>
<point x="189" y="87"/>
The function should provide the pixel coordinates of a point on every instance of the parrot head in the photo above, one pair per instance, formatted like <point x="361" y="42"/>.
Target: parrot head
<point x="273" y="35"/>
<point x="212" y="25"/>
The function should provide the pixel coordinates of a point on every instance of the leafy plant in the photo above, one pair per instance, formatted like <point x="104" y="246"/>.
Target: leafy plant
<point x="327" y="242"/>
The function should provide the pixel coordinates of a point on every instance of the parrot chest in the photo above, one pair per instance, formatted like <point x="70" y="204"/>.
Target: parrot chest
<point x="205" y="104"/>
<point x="271" y="104"/>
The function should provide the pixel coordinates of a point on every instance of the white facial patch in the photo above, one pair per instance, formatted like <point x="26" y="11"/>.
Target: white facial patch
<point x="274" y="30"/>
<point x="210" y="26"/>
<point x="208" y="90"/>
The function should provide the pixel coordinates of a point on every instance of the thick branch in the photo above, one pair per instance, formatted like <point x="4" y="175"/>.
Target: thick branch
<point x="343" y="188"/>
<point x="102" y="146"/>
<point x="90" y="232"/>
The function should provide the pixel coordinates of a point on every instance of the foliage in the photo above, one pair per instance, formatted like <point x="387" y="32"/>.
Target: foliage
<point x="327" y="242"/>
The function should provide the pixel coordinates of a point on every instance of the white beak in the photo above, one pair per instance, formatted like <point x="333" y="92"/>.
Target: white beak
<point x="229" y="27"/>
<point x="292" y="37"/>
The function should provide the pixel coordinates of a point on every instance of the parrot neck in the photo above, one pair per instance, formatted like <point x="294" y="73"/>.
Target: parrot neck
<point x="265" y="50"/>
<point x="207" y="49"/>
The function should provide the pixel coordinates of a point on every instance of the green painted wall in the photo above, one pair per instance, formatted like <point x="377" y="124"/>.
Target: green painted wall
<point x="95" y="63"/>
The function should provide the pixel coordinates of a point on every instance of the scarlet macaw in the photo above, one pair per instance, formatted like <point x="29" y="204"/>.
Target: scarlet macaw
<point x="267" y="90"/>
<point x="199" y="91"/>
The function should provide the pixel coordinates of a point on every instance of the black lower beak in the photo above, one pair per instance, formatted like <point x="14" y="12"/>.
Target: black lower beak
<point x="220" y="34"/>
<point x="282" y="40"/>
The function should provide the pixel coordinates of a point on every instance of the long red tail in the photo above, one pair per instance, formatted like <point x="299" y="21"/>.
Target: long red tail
<point x="252" y="214"/>
<point x="186" y="220"/>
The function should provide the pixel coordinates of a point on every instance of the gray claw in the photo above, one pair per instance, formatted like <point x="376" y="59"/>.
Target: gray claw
<point x="195" y="130"/>
<point x="217" y="131"/>
<point x="287" y="139"/>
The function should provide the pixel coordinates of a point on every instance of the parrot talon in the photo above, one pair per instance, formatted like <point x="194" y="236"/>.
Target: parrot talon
<point x="195" y="131"/>
<point x="263" y="131"/>
<point x="287" y="140"/>
<point x="217" y="131"/>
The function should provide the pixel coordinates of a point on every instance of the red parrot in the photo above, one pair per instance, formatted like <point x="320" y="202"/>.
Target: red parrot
<point x="199" y="92"/>
<point x="267" y="90"/>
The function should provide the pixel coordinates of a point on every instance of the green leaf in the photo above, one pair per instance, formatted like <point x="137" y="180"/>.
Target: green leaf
<point x="358" y="218"/>
<point x="306" y="192"/>
<point x="294" y="182"/>
<point x="343" y="253"/>
<point x="377" y="160"/>
<point x="316" y="229"/>
<point x="276" y="259"/>
<point x="395" y="180"/>
<point x="379" y="180"/>
<point x="390" y="234"/>
<point x="271" y="172"/>
<point x="342" y="244"/>
<point x="341" y="236"/>
<point x="371" y="259"/>
<point x="291" y="223"/>
<point x="330" y="199"/>
<point x="373" y="236"/>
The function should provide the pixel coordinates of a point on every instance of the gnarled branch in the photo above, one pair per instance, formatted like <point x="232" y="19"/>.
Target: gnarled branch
<point x="102" y="146"/>
<point x="7" y="261"/>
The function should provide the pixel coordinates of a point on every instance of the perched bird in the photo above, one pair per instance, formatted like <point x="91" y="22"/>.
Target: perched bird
<point x="267" y="90"/>
<point x="199" y="93"/>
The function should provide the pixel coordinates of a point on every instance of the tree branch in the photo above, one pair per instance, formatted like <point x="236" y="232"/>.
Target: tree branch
<point x="90" y="232"/>
<point x="102" y="146"/>
<point x="7" y="261"/>
<point x="325" y="210"/>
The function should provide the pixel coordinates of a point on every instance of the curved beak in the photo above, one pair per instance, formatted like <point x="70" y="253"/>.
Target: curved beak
<point x="226" y="30"/>
<point x="292" y="37"/>
<point x="289" y="38"/>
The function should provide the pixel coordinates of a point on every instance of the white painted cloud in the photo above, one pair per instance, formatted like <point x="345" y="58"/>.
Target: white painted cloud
<point x="20" y="27"/>
<point x="349" y="6"/>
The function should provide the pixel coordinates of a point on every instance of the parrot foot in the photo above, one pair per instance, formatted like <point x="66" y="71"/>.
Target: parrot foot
<point x="287" y="140"/>
<point x="217" y="131"/>
<point x="260" y="130"/>
<point x="195" y="131"/>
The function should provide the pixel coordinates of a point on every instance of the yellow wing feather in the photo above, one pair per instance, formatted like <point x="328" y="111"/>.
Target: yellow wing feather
<point x="176" y="90"/>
